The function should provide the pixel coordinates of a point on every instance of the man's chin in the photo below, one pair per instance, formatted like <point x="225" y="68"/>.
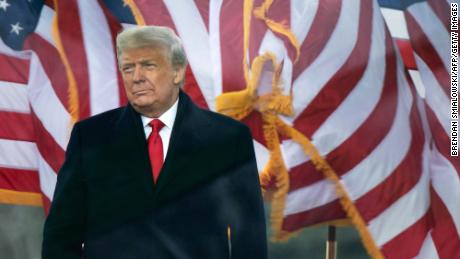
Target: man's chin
<point x="143" y="101"/>
<point x="146" y="109"/>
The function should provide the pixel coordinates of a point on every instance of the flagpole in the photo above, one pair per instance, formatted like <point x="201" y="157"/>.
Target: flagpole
<point x="331" y="244"/>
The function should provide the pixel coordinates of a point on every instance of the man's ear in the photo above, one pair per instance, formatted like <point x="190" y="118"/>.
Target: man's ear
<point x="179" y="75"/>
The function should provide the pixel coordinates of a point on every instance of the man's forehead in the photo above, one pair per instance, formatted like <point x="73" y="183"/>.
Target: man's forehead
<point x="143" y="54"/>
<point x="155" y="48"/>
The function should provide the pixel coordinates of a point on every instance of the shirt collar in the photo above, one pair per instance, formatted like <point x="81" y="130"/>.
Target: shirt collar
<point x="167" y="117"/>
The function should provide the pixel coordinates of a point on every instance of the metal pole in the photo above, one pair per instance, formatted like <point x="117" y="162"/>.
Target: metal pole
<point x="331" y="244"/>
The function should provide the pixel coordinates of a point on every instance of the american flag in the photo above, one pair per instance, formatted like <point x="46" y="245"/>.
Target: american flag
<point x="58" y="66"/>
<point x="339" y="129"/>
<point x="422" y="30"/>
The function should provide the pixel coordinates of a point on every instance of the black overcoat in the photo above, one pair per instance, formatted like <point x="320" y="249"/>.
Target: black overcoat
<point x="206" y="203"/>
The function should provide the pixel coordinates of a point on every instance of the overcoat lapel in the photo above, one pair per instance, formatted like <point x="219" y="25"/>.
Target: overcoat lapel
<point x="188" y="124"/>
<point x="129" y="141"/>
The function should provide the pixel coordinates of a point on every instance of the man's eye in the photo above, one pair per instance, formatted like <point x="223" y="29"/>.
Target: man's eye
<point x="127" y="69"/>
<point x="150" y="66"/>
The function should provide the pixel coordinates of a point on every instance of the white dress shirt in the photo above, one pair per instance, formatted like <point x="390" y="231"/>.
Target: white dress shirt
<point x="167" y="118"/>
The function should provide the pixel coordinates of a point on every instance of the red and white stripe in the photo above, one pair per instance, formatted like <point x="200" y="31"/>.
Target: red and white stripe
<point x="428" y="27"/>
<point x="40" y="100"/>
<point x="100" y="54"/>
<point x="429" y="36"/>
<point x="18" y="152"/>
<point x="87" y="35"/>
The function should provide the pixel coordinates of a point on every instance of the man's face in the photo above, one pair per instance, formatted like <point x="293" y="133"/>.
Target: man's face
<point x="151" y="82"/>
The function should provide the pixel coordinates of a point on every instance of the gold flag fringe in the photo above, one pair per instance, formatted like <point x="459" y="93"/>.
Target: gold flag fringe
<point x="21" y="198"/>
<point x="345" y="200"/>
<point x="277" y="172"/>
<point x="247" y="9"/>
<point x="74" y="106"/>
<point x="239" y="104"/>
<point x="135" y="11"/>
<point x="260" y="12"/>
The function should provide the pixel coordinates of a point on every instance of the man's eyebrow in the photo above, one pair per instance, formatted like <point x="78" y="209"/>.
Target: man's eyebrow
<point x="142" y="61"/>
<point x="146" y="61"/>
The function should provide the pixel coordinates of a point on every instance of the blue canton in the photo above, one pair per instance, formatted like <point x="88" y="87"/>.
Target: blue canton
<point x="18" y="18"/>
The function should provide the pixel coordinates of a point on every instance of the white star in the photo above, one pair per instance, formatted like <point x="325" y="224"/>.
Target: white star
<point x="16" y="28"/>
<point x="4" y="4"/>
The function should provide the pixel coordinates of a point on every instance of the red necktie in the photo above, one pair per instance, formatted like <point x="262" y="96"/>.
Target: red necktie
<point x="155" y="148"/>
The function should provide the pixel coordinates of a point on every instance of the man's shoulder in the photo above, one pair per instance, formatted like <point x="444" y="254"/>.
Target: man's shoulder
<point x="102" y="119"/>
<point x="224" y="123"/>
<point x="216" y="122"/>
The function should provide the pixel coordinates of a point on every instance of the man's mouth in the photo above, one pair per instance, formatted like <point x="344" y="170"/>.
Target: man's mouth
<point x="141" y="92"/>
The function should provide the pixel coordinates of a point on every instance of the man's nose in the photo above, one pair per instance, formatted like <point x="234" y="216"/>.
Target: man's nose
<point x="138" y="75"/>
